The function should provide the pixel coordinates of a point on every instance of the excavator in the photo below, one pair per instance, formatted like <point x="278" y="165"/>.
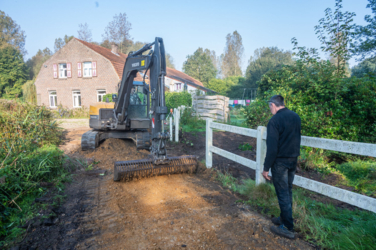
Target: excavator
<point x="138" y="112"/>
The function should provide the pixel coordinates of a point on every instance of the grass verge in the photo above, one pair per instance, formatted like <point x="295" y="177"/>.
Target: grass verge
<point x="30" y="161"/>
<point x="321" y="224"/>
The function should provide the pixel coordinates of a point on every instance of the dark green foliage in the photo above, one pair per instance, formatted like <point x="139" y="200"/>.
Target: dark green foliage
<point x="368" y="66"/>
<point x="200" y="66"/>
<point x="176" y="99"/>
<point x="35" y="63"/>
<point x="11" y="34"/>
<point x="263" y="60"/>
<point x="29" y="155"/>
<point x="12" y="72"/>
<point x="329" y="106"/>
<point x="365" y="44"/>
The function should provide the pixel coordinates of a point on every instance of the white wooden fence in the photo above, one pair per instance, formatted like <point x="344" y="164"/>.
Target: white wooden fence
<point x="175" y="122"/>
<point x="215" y="107"/>
<point x="349" y="197"/>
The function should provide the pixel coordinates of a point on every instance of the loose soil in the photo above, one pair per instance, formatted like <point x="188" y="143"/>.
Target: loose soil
<point x="165" y="212"/>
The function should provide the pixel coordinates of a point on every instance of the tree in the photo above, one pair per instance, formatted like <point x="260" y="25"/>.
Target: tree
<point x="13" y="72"/>
<point x="365" y="43"/>
<point x="117" y="31"/>
<point x="84" y="33"/>
<point x="35" y="63"/>
<point x="11" y="34"/>
<point x="231" y="60"/>
<point x="225" y="86"/>
<point x="60" y="42"/>
<point x="334" y="33"/>
<point x="265" y="59"/>
<point x="170" y="61"/>
<point x="106" y="44"/>
<point x="200" y="66"/>
<point x="368" y="66"/>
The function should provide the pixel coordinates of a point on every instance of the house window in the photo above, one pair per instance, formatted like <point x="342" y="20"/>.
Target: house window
<point x="87" y="69"/>
<point x="76" y="99"/>
<point x="100" y="94"/>
<point x="178" y="86"/>
<point x="53" y="99"/>
<point x="62" y="70"/>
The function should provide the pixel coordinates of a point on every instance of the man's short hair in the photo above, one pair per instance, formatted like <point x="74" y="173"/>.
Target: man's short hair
<point x="278" y="100"/>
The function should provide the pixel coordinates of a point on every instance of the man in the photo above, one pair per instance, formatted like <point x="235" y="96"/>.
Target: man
<point x="283" y="149"/>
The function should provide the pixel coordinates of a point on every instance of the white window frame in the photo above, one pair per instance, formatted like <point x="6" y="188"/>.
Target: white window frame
<point x="62" y="70"/>
<point x="52" y="94"/>
<point x="87" y="66"/>
<point x="100" y="94"/>
<point x="76" y="94"/>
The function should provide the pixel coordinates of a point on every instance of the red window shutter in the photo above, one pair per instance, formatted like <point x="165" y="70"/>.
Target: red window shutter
<point x="79" y="69"/>
<point x="54" y="66"/>
<point x="94" y="68"/>
<point x="69" y="69"/>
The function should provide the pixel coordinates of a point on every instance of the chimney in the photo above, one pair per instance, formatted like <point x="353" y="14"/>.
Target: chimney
<point x="114" y="48"/>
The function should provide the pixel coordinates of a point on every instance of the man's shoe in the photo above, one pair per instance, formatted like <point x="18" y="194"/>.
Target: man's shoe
<point x="282" y="231"/>
<point x="277" y="221"/>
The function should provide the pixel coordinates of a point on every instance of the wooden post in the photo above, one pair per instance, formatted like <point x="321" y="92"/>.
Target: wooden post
<point x="209" y="143"/>
<point x="260" y="154"/>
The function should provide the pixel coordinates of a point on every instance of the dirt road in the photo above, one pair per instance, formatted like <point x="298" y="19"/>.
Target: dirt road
<point x="165" y="212"/>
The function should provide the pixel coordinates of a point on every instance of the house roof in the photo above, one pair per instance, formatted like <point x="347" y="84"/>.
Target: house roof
<point x="118" y="62"/>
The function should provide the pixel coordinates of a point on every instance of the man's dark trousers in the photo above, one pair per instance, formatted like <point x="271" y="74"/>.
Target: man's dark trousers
<point x="283" y="171"/>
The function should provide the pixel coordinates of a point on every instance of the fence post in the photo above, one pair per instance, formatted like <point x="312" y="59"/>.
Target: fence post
<point x="171" y="128"/>
<point x="177" y="118"/>
<point x="260" y="155"/>
<point x="209" y="143"/>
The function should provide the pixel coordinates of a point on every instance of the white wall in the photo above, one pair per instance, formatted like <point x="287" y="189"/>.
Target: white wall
<point x="171" y="84"/>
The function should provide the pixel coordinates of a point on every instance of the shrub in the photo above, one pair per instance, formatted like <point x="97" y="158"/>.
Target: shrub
<point x="176" y="99"/>
<point x="109" y="96"/>
<point x="329" y="106"/>
<point x="29" y="92"/>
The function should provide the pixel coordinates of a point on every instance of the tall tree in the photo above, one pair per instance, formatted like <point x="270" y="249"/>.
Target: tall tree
<point x="265" y="59"/>
<point x="367" y="66"/>
<point x="11" y="33"/>
<point x="200" y="66"/>
<point x="35" y="63"/>
<point x="334" y="33"/>
<point x="117" y="31"/>
<point x="365" y="43"/>
<point x="84" y="33"/>
<point x="170" y="61"/>
<point x="60" y="42"/>
<point x="13" y="72"/>
<point x="232" y="58"/>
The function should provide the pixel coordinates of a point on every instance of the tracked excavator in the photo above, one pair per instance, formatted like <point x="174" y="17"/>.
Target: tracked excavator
<point x="138" y="113"/>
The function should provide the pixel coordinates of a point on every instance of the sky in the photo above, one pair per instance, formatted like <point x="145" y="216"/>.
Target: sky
<point x="184" y="25"/>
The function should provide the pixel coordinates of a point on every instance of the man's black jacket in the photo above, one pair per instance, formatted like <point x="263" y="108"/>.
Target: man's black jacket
<point x="283" y="137"/>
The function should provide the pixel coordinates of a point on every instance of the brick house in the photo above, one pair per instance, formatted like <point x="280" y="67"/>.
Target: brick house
<point x="80" y="73"/>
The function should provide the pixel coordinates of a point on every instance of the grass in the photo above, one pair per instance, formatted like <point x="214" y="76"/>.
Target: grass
<point x="321" y="224"/>
<point x="354" y="171"/>
<point x="29" y="156"/>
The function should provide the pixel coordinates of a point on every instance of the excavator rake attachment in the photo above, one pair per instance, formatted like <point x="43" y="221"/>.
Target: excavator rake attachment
<point x="129" y="170"/>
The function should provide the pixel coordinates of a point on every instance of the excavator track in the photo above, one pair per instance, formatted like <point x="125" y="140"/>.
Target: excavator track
<point x="136" y="169"/>
<point x="90" y="140"/>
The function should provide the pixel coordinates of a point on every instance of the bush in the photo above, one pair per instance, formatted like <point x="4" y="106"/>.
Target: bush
<point x="29" y="156"/>
<point x="176" y="99"/>
<point x="191" y="123"/>
<point x="109" y="96"/>
<point x="329" y="106"/>
<point x="29" y="92"/>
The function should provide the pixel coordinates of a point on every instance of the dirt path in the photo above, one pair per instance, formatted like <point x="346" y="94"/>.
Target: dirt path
<point x="165" y="212"/>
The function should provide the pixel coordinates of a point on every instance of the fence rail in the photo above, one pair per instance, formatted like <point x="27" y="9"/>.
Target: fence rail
<point x="355" y="199"/>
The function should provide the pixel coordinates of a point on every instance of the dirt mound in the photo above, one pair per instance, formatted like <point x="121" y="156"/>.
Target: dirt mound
<point x="112" y="150"/>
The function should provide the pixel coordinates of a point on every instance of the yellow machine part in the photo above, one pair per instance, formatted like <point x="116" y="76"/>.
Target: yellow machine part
<point x="94" y="110"/>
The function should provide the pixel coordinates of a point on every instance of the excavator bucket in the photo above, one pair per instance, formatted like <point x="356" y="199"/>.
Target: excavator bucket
<point x="136" y="169"/>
